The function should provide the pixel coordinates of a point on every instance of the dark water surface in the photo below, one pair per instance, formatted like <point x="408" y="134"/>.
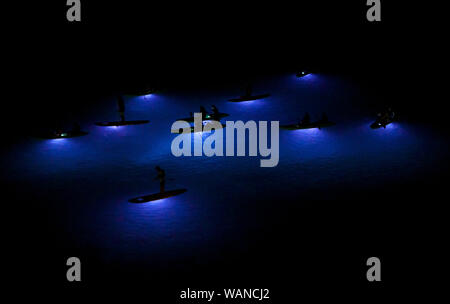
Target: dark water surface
<point x="232" y="203"/>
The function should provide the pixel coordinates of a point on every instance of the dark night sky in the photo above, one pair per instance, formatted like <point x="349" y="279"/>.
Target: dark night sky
<point x="227" y="37"/>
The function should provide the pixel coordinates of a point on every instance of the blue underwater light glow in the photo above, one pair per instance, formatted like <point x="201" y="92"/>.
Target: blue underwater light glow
<point x="305" y="136"/>
<point x="391" y="126"/>
<point x="147" y="96"/>
<point x="58" y="139"/>
<point x="158" y="201"/>
<point x="249" y="104"/>
<point x="307" y="77"/>
<point x="95" y="175"/>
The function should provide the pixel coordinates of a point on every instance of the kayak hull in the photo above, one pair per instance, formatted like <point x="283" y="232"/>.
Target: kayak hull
<point x="156" y="196"/>
<point x="191" y="129"/>
<point x="378" y="125"/>
<point x="64" y="135"/>
<point x="313" y="125"/>
<point x="302" y="74"/>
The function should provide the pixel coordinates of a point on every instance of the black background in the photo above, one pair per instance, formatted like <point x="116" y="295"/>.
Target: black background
<point x="120" y="46"/>
<point x="176" y="44"/>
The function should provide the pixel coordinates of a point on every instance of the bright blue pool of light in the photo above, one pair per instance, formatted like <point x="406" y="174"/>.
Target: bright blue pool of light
<point x="89" y="179"/>
<point x="307" y="77"/>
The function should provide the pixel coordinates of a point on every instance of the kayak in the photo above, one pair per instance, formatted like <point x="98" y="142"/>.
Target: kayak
<point x="377" y="124"/>
<point x="68" y="134"/>
<point x="121" y="123"/>
<point x="313" y="125"/>
<point x="156" y="196"/>
<point x="145" y="92"/>
<point x="208" y="116"/>
<point x="302" y="74"/>
<point x="248" y="98"/>
<point x="191" y="129"/>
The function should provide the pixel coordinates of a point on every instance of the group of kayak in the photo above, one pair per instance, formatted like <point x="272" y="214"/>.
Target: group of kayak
<point x="306" y="123"/>
<point x="383" y="118"/>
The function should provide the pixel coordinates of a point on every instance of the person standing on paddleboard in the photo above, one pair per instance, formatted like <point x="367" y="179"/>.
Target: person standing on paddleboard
<point x="306" y="119"/>
<point x="215" y="112"/>
<point x="203" y="111"/>
<point x="161" y="177"/>
<point x="121" y="105"/>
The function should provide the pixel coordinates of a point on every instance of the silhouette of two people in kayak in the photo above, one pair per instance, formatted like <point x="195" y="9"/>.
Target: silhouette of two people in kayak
<point x="214" y="114"/>
<point x="306" y="120"/>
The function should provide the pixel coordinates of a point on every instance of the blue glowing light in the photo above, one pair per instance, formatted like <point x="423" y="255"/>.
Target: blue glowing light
<point x="59" y="139"/>
<point x="116" y="163"/>
<point x="391" y="127"/>
<point x="112" y="128"/>
<point x="310" y="131"/>
<point x="306" y="77"/>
